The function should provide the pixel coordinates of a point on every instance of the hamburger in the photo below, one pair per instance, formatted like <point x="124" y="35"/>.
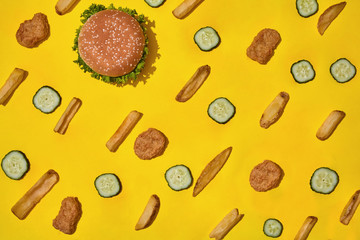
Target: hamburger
<point x="111" y="44"/>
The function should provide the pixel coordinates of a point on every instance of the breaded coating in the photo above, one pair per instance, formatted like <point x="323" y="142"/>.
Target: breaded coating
<point x="150" y="144"/>
<point x="32" y="33"/>
<point x="263" y="46"/>
<point x="265" y="176"/>
<point x="69" y="215"/>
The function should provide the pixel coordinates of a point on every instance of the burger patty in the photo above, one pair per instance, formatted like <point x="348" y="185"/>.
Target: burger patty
<point x="111" y="43"/>
<point x="69" y="215"/>
<point x="265" y="176"/>
<point x="33" y="32"/>
<point x="150" y="144"/>
<point x="263" y="46"/>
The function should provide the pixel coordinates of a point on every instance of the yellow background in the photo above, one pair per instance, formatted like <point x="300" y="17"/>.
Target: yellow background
<point x="80" y="155"/>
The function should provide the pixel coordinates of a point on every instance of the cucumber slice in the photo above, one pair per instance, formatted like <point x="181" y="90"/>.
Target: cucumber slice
<point x="46" y="99"/>
<point x="324" y="180"/>
<point x="108" y="185"/>
<point x="302" y="71"/>
<point x="272" y="228"/>
<point x="179" y="177"/>
<point x="342" y="70"/>
<point x="207" y="39"/>
<point x="15" y="165"/>
<point x="307" y="8"/>
<point x="221" y="110"/>
<point x="155" y="3"/>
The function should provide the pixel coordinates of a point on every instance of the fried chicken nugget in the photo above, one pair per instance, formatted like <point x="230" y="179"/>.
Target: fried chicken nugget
<point x="263" y="46"/>
<point x="32" y="33"/>
<point x="265" y="176"/>
<point x="69" y="215"/>
<point x="150" y="144"/>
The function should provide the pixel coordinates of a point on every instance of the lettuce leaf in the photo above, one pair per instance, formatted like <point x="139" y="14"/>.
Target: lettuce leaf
<point x="130" y="77"/>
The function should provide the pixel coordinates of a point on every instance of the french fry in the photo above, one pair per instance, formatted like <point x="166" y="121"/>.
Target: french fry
<point x="123" y="131"/>
<point x="68" y="115"/>
<point x="328" y="16"/>
<point x="149" y="214"/>
<point x="211" y="170"/>
<point x="32" y="197"/>
<point x="330" y="124"/>
<point x="64" y="6"/>
<point x="226" y="224"/>
<point x="306" y="228"/>
<point x="350" y="208"/>
<point x="12" y="83"/>
<point x="185" y="8"/>
<point x="274" y="111"/>
<point x="193" y="84"/>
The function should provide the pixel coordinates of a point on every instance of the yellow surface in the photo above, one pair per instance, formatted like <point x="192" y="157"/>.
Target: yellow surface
<point x="80" y="155"/>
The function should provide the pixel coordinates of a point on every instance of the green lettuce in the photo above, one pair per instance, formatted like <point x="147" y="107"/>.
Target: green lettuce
<point x="132" y="76"/>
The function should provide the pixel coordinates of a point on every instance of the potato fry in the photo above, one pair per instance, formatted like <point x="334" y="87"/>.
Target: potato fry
<point x="64" y="6"/>
<point x="350" y="208"/>
<point x="123" y="131"/>
<point x="211" y="170"/>
<point x="193" y="84"/>
<point x="185" y="8"/>
<point x="330" y="124"/>
<point x="226" y="224"/>
<point x="275" y="110"/>
<point x="328" y="16"/>
<point x="68" y="115"/>
<point x="149" y="214"/>
<point x="12" y="83"/>
<point x="306" y="228"/>
<point x="32" y="197"/>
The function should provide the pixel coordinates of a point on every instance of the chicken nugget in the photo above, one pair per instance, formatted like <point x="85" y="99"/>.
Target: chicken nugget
<point x="263" y="46"/>
<point x="150" y="144"/>
<point x="69" y="215"/>
<point x="32" y="33"/>
<point x="265" y="176"/>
